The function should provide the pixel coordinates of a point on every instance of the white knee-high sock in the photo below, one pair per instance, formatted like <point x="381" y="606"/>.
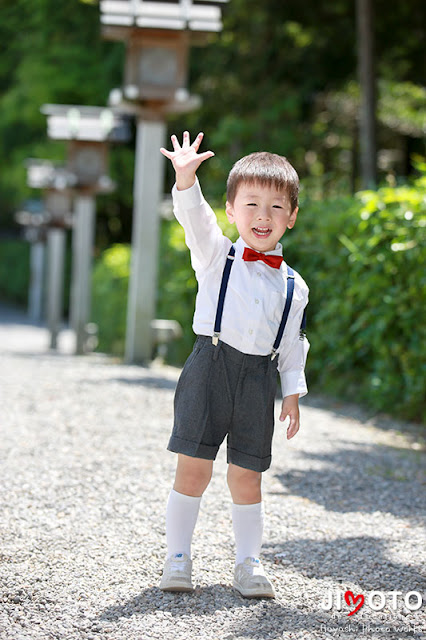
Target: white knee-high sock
<point x="247" y="520"/>
<point x="181" y="516"/>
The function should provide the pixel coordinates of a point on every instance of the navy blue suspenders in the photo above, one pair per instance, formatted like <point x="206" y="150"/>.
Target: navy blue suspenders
<point x="222" y="292"/>
<point x="221" y="300"/>
<point x="289" y="298"/>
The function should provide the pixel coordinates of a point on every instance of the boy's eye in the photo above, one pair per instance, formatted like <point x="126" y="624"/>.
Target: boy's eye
<point x="251" y="204"/>
<point x="277" y="206"/>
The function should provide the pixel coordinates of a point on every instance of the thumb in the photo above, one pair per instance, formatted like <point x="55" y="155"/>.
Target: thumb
<point x="206" y="155"/>
<point x="284" y="414"/>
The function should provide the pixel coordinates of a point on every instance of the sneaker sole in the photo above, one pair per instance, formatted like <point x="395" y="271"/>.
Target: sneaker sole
<point x="177" y="587"/>
<point x="253" y="593"/>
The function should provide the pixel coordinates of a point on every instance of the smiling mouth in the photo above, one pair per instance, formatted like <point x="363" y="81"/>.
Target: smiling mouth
<point x="261" y="232"/>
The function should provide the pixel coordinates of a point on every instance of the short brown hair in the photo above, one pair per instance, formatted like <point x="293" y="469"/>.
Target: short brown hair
<point x="264" y="168"/>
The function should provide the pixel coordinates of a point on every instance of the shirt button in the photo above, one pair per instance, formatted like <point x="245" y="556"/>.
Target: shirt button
<point x="251" y="331"/>
<point x="259" y="274"/>
<point x="257" y="301"/>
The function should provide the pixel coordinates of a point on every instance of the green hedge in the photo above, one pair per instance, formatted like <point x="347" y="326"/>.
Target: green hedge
<point x="109" y="298"/>
<point x="14" y="271"/>
<point x="363" y="260"/>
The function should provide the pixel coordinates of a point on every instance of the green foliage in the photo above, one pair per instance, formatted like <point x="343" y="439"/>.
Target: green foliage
<point x="265" y="82"/>
<point x="402" y="107"/>
<point x="364" y="262"/>
<point x="109" y="297"/>
<point x="268" y="80"/>
<point x="14" y="270"/>
<point x="50" y="53"/>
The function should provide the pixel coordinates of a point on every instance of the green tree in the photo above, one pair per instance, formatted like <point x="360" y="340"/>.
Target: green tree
<point x="50" y="53"/>
<point x="267" y="81"/>
<point x="267" y="78"/>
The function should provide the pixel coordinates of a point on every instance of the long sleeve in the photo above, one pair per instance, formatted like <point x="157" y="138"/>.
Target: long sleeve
<point x="293" y="353"/>
<point x="203" y="235"/>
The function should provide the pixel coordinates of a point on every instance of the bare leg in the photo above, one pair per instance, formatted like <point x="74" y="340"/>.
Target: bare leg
<point x="192" y="475"/>
<point x="244" y="485"/>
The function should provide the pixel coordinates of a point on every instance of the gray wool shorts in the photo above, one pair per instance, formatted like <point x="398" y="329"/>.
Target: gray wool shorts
<point x="223" y="392"/>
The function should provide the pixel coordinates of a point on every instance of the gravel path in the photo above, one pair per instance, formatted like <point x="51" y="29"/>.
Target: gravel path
<point x="84" y="478"/>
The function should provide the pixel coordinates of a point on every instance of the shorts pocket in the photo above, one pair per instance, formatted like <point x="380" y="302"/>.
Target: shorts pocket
<point x="189" y="362"/>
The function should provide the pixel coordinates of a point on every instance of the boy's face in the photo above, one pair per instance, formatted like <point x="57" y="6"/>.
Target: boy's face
<point x="262" y="214"/>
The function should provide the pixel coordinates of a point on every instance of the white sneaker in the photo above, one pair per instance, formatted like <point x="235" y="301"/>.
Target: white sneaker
<point x="250" y="580"/>
<point x="177" y="573"/>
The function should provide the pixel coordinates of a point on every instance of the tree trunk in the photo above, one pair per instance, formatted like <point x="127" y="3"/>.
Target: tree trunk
<point x="367" y="80"/>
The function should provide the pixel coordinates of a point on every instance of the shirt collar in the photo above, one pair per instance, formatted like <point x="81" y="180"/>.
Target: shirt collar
<point x="240" y="246"/>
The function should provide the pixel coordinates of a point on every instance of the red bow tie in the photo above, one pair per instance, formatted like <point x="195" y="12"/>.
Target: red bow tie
<point x="251" y="255"/>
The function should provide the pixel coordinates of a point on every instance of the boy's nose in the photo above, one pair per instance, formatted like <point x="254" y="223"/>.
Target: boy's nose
<point x="263" y="214"/>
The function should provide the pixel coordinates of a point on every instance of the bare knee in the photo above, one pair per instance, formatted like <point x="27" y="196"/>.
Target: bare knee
<point x="192" y="475"/>
<point x="244" y="485"/>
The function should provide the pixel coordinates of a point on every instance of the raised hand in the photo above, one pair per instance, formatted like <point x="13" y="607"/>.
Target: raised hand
<point x="186" y="159"/>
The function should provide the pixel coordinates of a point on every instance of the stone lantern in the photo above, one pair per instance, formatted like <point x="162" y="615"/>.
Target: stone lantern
<point x="158" y="37"/>
<point x="48" y="226"/>
<point x="88" y="131"/>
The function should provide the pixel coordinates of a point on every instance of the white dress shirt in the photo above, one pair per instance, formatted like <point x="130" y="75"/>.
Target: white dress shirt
<point x="255" y="296"/>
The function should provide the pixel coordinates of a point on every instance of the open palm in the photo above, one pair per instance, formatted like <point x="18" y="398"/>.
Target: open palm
<point x="185" y="158"/>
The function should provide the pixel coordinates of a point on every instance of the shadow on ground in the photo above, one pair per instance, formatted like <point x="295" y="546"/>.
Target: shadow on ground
<point x="254" y="619"/>
<point x="343" y="409"/>
<point x="364" y="478"/>
<point x="151" y="382"/>
<point x="363" y="560"/>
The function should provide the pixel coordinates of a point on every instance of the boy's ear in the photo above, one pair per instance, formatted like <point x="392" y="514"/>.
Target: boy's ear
<point x="229" y="209"/>
<point x="292" y="219"/>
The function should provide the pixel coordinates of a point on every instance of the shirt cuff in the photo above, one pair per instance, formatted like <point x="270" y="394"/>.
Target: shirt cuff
<point x="189" y="198"/>
<point x="293" y="382"/>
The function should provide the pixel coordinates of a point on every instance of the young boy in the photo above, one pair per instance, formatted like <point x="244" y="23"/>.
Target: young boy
<point x="227" y="387"/>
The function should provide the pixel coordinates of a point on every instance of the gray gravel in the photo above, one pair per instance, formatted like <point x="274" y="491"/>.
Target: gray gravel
<point x="84" y="480"/>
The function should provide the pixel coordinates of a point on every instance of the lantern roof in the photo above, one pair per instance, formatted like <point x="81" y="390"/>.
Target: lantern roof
<point x="94" y="124"/>
<point x="192" y="15"/>
<point x="43" y="174"/>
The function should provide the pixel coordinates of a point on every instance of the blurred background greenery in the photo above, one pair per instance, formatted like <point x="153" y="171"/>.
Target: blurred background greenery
<point x="282" y="77"/>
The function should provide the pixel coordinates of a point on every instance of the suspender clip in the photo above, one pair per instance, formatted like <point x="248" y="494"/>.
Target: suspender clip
<point x="273" y="354"/>
<point x="215" y="338"/>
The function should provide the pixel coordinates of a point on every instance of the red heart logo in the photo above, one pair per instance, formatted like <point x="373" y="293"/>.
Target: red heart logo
<point x="350" y="599"/>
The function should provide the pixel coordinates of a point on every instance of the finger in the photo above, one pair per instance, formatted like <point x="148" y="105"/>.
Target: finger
<point x="206" y="155"/>
<point x="168" y="154"/>
<point x="197" y="141"/>
<point x="175" y="143"/>
<point x="293" y="427"/>
<point x="283" y="415"/>
<point x="185" y="144"/>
